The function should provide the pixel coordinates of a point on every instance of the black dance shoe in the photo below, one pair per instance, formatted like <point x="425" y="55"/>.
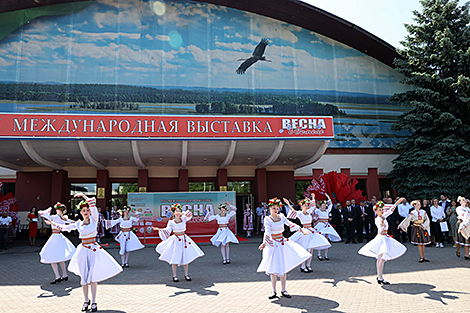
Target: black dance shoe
<point x="187" y="277"/>
<point x="421" y="260"/>
<point x="228" y="261"/>
<point x="94" y="307"/>
<point x="66" y="278"/>
<point x="326" y="258"/>
<point x="285" y="294"/>
<point x="319" y="257"/>
<point x="55" y="281"/>
<point x="85" y="306"/>
<point x="426" y="260"/>
<point x="272" y="295"/>
<point x="127" y="264"/>
<point x="224" y="262"/>
<point x="175" y="279"/>
<point x="303" y="270"/>
<point x="384" y="282"/>
<point x="308" y="269"/>
<point x="466" y="258"/>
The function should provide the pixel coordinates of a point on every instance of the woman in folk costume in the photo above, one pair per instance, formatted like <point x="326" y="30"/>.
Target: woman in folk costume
<point x="463" y="226"/>
<point x="323" y="226"/>
<point x="311" y="241"/>
<point x="100" y="226"/>
<point x="177" y="249"/>
<point x="280" y="255"/>
<point x="248" y="220"/>
<point x="420" y="222"/>
<point x="383" y="247"/>
<point x="91" y="262"/>
<point x="115" y="216"/>
<point x="224" y="235"/>
<point x="58" y="248"/>
<point x="128" y="241"/>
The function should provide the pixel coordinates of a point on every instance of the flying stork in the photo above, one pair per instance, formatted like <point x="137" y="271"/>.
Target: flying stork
<point x="255" y="57"/>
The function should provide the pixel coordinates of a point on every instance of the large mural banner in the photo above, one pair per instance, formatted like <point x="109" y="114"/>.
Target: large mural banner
<point x="138" y="57"/>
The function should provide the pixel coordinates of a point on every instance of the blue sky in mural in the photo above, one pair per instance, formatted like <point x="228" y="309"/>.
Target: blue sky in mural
<point x="184" y="44"/>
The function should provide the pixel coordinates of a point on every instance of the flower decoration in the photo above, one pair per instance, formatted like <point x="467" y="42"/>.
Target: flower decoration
<point x="304" y="201"/>
<point x="274" y="201"/>
<point x="82" y="204"/>
<point x="223" y="206"/>
<point x="379" y="204"/>
<point x="176" y="206"/>
<point x="321" y="202"/>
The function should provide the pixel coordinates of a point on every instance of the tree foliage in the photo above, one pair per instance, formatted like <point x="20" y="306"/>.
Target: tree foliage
<point x="435" y="61"/>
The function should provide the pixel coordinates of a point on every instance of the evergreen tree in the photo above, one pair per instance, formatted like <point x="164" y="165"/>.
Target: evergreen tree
<point x="435" y="61"/>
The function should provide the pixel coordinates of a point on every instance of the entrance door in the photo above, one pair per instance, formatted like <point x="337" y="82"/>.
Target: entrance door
<point x="242" y="200"/>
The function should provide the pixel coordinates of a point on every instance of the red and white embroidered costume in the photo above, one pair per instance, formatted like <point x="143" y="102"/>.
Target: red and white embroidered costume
<point x="383" y="244"/>
<point x="178" y="248"/>
<point x="58" y="248"/>
<point x="91" y="262"/>
<point x="128" y="241"/>
<point x="223" y="235"/>
<point x="280" y="255"/>
<point x="323" y="226"/>
<point x="314" y="239"/>
<point x="248" y="219"/>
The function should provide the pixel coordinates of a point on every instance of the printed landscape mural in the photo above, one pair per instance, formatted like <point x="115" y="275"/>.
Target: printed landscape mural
<point x="185" y="57"/>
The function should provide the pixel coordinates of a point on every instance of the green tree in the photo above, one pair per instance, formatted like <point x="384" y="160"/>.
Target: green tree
<point x="435" y="61"/>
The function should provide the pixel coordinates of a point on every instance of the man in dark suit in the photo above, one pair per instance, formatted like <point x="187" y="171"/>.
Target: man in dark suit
<point x="361" y="221"/>
<point x="336" y="219"/>
<point x="370" y="219"/>
<point x="349" y="214"/>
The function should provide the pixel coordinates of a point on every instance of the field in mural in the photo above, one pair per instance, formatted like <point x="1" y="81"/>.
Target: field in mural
<point x="183" y="57"/>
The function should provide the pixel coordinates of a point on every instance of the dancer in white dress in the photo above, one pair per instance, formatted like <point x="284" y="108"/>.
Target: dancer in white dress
<point x="224" y="235"/>
<point x="280" y="255"/>
<point x="383" y="247"/>
<point x="311" y="241"/>
<point x="463" y="226"/>
<point x="419" y="221"/>
<point x="58" y="248"/>
<point x="177" y="249"/>
<point x="128" y="241"/>
<point x="91" y="262"/>
<point x="323" y="226"/>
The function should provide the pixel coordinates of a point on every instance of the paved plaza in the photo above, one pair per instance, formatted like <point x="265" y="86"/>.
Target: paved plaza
<point x="346" y="283"/>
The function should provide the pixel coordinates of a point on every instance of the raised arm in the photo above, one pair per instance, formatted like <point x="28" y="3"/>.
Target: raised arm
<point x="46" y="213"/>
<point x="233" y="210"/>
<point x="292" y="213"/>
<point x="210" y="217"/>
<point x="390" y="211"/>
<point x="187" y="215"/>
<point x="164" y="233"/>
<point x="406" y="222"/>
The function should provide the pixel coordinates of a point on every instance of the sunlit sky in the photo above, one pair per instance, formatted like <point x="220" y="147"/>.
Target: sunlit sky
<point x="383" y="18"/>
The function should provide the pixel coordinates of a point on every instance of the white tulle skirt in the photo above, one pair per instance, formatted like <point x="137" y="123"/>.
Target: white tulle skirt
<point x="310" y="241"/>
<point x="282" y="257"/>
<point x="326" y="229"/>
<point x="128" y="242"/>
<point x="57" y="249"/>
<point x="93" y="264"/>
<point x="223" y="236"/>
<point x="385" y="245"/>
<point x="180" y="250"/>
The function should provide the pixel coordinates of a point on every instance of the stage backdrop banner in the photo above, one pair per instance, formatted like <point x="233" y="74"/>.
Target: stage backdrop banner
<point x="154" y="209"/>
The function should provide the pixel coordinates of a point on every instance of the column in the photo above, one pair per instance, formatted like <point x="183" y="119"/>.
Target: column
<point x="183" y="180"/>
<point x="103" y="189"/>
<point x="373" y="183"/>
<point x="222" y="179"/>
<point x="143" y="180"/>
<point x="260" y="190"/>
<point x="59" y="187"/>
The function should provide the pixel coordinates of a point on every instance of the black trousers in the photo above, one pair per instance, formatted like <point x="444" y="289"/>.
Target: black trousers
<point x="339" y="229"/>
<point x="349" y="230"/>
<point x="371" y="229"/>
<point x="3" y="237"/>
<point x="359" y="229"/>
<point x="436" y="231"/>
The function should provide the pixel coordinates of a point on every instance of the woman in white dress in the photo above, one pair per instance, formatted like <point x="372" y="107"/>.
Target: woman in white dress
<point x="383" y="247"/>
<point x="280" y="255"/>
<point x="91" y="262"/>
<point x="128" y="241"/>
<point x="323" y="226"/>
<point x="311" y="241"/>
<point x="58" y="248"/>
<point x="224" y="235"/>
<point x="178" y="249"/>
<point x="420" y="222"/>
<point x="463" y="226"/>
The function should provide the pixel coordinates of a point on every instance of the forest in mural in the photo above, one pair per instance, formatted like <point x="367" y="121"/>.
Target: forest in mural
<point x="185" y="57"/>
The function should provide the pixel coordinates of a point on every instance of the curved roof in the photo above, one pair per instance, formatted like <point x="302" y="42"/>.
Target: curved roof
<point x="291" y="11"/>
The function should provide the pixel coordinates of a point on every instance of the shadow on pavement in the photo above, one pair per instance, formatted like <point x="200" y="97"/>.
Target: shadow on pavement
<point x="308" y="304"/>
<point x="59" y="290"/>
<point x="352" y="280"/>
<point x="428" y="290"/>
<point x="193" y="287"/>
